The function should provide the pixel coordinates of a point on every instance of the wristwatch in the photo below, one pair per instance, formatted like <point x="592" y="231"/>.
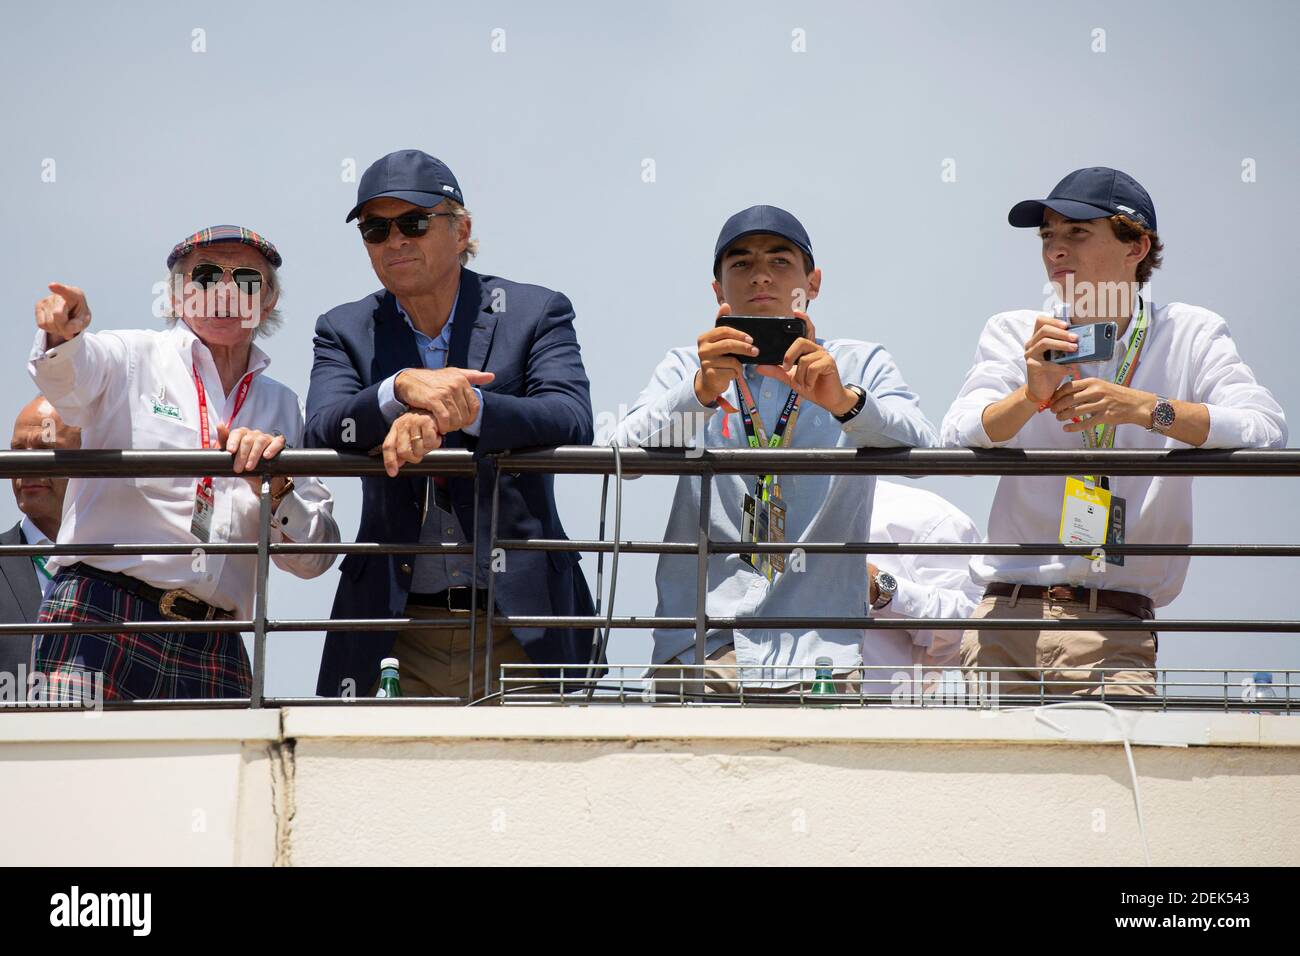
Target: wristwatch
<point x="1162" y="416"/>
<point x="853" y="412"/>
<point x="886" y="586"/>
<point x="282" y="494"/>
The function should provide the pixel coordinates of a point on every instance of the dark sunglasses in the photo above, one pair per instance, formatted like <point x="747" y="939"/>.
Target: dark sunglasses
<point x="412" y="225"/>
<point x="207" y="274"/>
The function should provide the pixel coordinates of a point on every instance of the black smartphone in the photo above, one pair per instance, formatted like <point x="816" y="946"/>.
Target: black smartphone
<point x="772" y="334"/>
<point x="1096" y="344"/>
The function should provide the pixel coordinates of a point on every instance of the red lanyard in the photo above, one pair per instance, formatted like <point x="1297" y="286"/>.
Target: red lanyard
<point x="242" y="393"/>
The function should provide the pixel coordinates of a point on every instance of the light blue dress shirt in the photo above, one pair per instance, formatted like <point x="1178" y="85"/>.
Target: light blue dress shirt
<point x="433" y="353"/>
<point x="818" y="508"/>
<point x="432" y="572"/>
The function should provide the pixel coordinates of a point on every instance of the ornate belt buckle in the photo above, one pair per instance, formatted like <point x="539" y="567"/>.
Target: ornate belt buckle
<point x="169" y="599"/>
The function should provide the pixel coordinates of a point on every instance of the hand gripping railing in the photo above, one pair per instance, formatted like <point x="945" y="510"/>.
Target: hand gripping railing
<point x="636" y="462"/>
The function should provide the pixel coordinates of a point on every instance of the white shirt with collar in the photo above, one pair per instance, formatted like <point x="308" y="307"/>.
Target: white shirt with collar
<point x="929" y="585"/>
<point x="34" y="535"/>
<point x="1189" y="355"/>
<point x="135" y="389"/>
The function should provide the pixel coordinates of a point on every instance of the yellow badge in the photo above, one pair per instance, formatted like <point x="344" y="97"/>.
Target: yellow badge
<point x="1085" y="512"/>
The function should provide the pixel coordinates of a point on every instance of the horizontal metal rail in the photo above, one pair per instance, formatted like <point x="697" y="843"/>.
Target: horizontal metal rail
<point x="583" y="459"/>
<point x="632" y="463"/>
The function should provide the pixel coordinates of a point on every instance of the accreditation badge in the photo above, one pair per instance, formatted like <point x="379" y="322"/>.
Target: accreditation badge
<point x="776" y="531"/>
<point x="1115" y="535"/>
<point x="748" y="523"/>
<point x="1085" y="512"/>
<point x="204" y="506"/>
<point x="756" y="526"/>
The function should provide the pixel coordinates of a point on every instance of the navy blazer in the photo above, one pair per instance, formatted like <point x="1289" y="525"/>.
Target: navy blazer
<point x="540" y="397"/>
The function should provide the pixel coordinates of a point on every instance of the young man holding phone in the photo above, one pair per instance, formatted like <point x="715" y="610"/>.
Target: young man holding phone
<point x="822" y="394"/>
<point x="1174" y="380"/>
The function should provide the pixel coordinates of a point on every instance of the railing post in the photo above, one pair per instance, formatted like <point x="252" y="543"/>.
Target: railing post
<point x="491" y="591"/>
<point x="473" y="594"/>
<point x="702" y="567"/>
<point x="259" y="594"/>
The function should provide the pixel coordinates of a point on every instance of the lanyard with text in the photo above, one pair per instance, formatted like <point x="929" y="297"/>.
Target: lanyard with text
<point x="763" y="513"/>
<point x="204" y="496"/>
<point x="756" y="434"/>
<point x="1090" y="514"/>
<point x="1103" y="436"/>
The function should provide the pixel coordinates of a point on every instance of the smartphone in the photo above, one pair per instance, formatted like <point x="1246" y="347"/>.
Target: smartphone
<point x="1096" y="344"/>
<point x="772" y="334"/>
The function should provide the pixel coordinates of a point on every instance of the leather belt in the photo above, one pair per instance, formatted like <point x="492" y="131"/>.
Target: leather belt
<point x="456" y="600"/>
<point x="175" y="605"/>
<point x="1138" y="605"/>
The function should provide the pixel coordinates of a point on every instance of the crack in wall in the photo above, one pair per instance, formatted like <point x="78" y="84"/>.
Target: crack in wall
<point x="282" y="799"/>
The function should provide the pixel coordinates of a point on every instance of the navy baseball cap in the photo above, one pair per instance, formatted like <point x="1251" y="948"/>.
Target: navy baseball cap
<point x="409" y="174"/>
<point x="1097" y="192"/>
<point x="765" y="219"/>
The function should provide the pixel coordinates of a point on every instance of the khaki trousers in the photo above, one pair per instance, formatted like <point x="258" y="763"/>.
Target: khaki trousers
<point x="435" y="662"/>
<point x="1068" y="658"/>
<point x="723" y="679"/>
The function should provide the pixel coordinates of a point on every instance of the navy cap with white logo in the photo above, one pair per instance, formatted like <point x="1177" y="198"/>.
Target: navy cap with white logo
<point x="1097" y="192"/>
<point x="765" y="219"/>
<point x="408" y="174"/>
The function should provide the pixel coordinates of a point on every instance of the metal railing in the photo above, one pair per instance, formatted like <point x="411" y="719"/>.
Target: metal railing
<point x="556" y="683"/>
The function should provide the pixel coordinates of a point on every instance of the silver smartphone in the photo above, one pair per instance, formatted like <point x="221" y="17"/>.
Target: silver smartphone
<point x="1096" y="344"/>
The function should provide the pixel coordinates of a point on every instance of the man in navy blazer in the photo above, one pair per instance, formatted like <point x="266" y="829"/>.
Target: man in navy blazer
<point x="445" y="357"/>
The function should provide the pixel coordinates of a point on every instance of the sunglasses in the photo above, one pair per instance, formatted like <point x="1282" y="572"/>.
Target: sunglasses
<point x="207" y="274"/>
<point x="412" y="225"/>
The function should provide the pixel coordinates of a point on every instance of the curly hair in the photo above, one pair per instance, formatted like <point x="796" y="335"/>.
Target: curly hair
<point x="1126" y="230"/>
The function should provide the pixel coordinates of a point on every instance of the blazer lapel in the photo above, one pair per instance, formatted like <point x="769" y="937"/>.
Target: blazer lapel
<point x="20" y="575"/>
<point x="471" y="335"/>
<point x="395" y="347"/>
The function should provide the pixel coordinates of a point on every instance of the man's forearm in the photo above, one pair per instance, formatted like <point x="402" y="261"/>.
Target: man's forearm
<point x="1191" y="420"/>
<point x="1004" y="418"/>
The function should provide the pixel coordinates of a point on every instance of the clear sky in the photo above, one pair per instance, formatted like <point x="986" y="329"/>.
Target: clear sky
<point x="552" y="117"/>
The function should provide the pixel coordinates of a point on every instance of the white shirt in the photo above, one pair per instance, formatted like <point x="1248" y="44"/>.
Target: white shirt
<point x="1189" y="355"/>
<point x="929" y="585"/>
<point x="135" y="389"/>
<point x="34" y="535"/>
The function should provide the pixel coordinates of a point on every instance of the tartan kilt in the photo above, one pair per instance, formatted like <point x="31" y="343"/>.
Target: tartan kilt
<point x="156" y="666"/>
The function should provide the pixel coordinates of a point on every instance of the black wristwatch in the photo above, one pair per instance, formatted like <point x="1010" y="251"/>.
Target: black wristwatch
<point x="852" y="413"/>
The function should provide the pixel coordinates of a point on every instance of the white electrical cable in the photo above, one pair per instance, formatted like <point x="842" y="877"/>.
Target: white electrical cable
<point x="1128" y="752"/>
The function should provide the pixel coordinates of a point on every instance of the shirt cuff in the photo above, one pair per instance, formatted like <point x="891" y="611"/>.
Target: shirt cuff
<point x="62" y="353"/>
<point x="389" y="406"/>
<point x="868" y="418"/>
<point x="473" y="427"/>
<point x="292" y="519"/>
<point x="970" y="430"/>
<point x="1233" y="428"/>
<point x="906" y="602"/>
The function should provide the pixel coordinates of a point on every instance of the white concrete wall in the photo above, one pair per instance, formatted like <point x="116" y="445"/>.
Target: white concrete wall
<point x="171" y="788"/>
<point x="367" y="784"/>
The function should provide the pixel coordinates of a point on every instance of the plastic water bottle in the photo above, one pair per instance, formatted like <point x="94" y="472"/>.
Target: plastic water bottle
<point x="1264" y="688"/>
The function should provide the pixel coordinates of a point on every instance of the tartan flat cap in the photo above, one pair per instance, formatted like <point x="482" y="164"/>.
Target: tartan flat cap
<point x="213" y="234"/>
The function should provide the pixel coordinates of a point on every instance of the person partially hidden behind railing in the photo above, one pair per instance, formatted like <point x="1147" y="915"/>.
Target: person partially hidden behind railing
<point x="201" y="383"/>
<point x="40" y="499"/>
<point x="1165" y="377"/>
<point x="820" y="393"/>
<point x="915" y="586"/>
